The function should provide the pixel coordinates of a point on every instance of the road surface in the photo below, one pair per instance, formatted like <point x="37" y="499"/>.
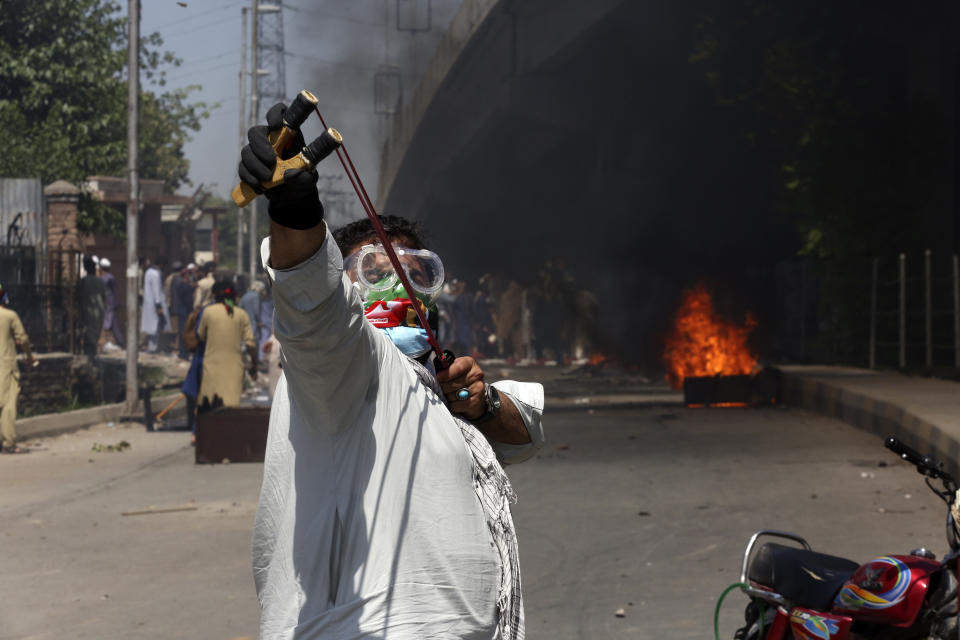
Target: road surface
<point x="645" y="510"/>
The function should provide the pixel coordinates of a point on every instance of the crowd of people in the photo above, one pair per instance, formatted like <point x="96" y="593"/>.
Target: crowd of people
<point x="549" y="320"/>
<point x="167" y="297"/>
<point x="196" y="313"/>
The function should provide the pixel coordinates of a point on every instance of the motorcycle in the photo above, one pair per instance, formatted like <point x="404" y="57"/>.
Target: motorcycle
<point x="799" y="593"/>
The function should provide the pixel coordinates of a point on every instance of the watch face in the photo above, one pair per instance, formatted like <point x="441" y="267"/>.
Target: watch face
<point x="493" y="398"/>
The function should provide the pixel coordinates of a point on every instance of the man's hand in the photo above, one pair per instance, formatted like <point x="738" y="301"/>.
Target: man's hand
<point x="464" y="373"/>
<point x="295" y="203"/>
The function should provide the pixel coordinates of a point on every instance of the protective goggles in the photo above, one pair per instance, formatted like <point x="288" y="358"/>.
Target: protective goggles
<point x="377" y="279"/>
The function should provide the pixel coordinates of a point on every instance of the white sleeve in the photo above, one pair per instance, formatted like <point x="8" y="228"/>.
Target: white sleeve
<point x="329" y="353"/>
<point x="158" y="288"/>
<point x="528" y="398"/>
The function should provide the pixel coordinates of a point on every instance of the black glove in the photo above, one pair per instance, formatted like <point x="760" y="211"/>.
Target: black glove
<point x="295" y="203"/>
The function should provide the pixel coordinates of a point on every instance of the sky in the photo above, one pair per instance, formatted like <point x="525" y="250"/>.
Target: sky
<point x="333" y="48"/>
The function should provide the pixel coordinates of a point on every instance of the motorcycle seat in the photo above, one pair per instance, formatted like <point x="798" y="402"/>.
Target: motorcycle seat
<point x="805" y="578"/>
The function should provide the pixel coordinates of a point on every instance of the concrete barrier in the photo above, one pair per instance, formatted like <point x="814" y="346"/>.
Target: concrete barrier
<point x="54" y="424"/>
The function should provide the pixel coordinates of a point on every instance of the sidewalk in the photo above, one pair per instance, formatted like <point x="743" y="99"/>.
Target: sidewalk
<point x="565" y="391"/>
<point x="171" y="369"/>
<point x="922" y="412"/>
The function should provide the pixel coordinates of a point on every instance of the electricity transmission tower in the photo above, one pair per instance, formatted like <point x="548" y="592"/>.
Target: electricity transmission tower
<point x="271" y="85"/>
<point x="268" y="86"/>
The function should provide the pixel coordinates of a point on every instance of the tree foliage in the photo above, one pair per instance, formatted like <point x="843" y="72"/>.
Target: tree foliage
<point x="825" y="94"/>
<point x="63" y="99"/>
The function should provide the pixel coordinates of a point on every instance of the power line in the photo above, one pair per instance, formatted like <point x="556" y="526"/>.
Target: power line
<point x="204" y="70"/>
<point x="235" y="53"/>
<point x="199" y="27"/>
<point x="196" y="15"/>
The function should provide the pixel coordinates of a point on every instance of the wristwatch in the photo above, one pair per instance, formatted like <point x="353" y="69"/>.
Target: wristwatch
<point x="492" y="397"/>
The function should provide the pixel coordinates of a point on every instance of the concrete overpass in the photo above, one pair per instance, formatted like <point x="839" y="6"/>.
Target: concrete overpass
<point x="579" y="131"/>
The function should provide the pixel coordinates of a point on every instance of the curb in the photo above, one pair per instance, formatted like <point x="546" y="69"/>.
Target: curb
<point x="613" y="401"/>
<point x="54" y="424"/>
<point x="872" y="415"/>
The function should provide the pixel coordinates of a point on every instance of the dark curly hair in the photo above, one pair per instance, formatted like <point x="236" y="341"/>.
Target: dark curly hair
<point x="397" y="228"/>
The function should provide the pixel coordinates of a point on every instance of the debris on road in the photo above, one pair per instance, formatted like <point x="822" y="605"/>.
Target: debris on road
<point x="150" y="511"/>
<point x="620" y="613"/>
<point x="100" y="448"/>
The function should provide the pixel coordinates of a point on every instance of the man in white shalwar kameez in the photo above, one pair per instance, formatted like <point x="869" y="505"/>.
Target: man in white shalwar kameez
<point x="154" y="307"/>
<point x="384" y="510"/>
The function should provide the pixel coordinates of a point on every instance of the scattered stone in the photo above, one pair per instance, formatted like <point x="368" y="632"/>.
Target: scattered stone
<point x="100" y="448"/>
<point x="643" y="513"/>
<point x="620" y="613"/>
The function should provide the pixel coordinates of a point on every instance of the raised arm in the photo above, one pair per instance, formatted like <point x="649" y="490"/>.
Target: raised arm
<point x="329" y="352"/>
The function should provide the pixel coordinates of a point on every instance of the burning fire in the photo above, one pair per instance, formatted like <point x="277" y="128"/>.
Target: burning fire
<point x="703" y="344"/>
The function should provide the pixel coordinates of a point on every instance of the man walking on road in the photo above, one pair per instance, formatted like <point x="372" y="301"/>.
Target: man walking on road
<point x="224" y="328"/>
<point x="110" y="302"/>
<point x="176" y="315"/>
<point x="203" y="293"/>
<point x="182" y="292"/>
<point x="252" y="302"/>
<point x="384" y="510"/>
<point x="93" y="298"/>
<point x="12" y="337"/>
<point x="155" y="317"/>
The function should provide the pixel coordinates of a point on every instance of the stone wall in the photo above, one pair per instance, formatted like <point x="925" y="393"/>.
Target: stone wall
<point x="63" y="381"/>
<point x="48" y="387"/>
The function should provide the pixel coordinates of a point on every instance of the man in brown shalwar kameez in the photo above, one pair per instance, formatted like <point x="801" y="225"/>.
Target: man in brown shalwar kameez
<point x="224" y="327"/>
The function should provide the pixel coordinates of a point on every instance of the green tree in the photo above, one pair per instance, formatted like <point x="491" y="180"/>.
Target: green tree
<point x="827" y="94"/>
<point x="822" y="88"/>
<point x="63" y="99"/>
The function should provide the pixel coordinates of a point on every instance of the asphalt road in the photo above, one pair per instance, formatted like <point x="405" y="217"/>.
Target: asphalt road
<point x="644" y="510"/>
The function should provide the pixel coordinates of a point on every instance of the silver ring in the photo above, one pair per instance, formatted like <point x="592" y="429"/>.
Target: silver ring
<point x="463" y="394"/>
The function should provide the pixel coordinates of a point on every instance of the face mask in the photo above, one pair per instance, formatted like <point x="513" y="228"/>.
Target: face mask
<point x="412" y="341"/>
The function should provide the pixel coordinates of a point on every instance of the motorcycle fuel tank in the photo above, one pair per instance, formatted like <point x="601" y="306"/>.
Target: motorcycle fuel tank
<point x="888" y="590"/>
<point x="806" y="624"/>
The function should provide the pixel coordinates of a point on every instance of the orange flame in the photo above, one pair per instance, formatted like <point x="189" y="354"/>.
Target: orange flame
<point x="703" y="344"/>
<point x="597" y="358"/>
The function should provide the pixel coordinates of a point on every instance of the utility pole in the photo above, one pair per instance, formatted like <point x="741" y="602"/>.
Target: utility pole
<point x="269" y="83"/>
<point x="133" y="203"/>
<point x="254" y="111"/>
<point x="241" y="212"/>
